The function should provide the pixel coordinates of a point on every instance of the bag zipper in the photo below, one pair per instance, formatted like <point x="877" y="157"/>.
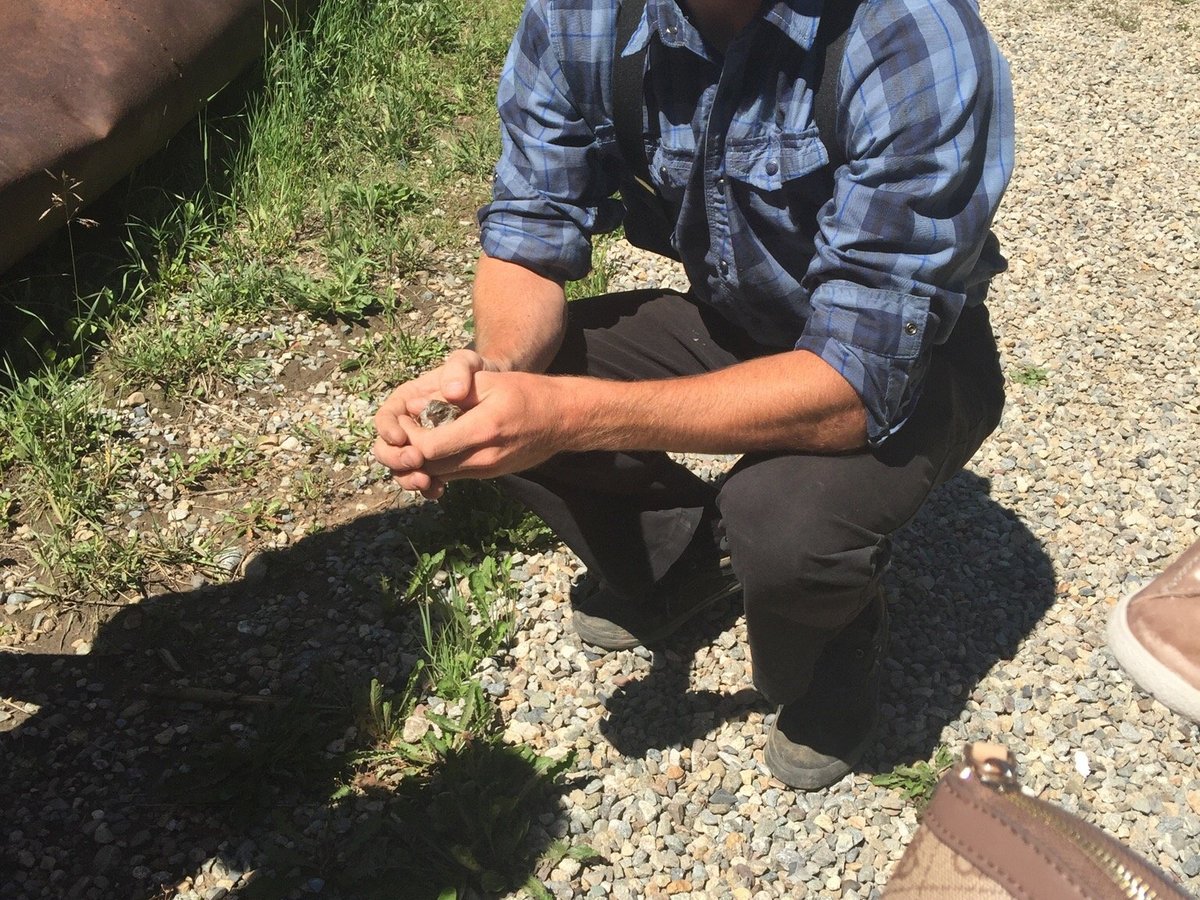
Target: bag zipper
<point x="999" y="774"/>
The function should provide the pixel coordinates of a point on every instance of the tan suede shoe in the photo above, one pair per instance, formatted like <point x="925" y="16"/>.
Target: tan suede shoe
<point x="1155" y="635"/>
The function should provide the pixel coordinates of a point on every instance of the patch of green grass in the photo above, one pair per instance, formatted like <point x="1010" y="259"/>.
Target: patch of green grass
<point x="59" y="446"/>
<point x="595" y="282"/>
<point x="466" y="621"/>
<point x="917" y="782"/>
<point x="179" y="353"/>
<point x="111" y="563"/>
<point x="474" y="151"/>
<point x="195" y="471"/>
<point x="1029" y="375"/>
<point x="390" y="354"/>
<point x="65" y="468"/>
<point x="160" y="252"/>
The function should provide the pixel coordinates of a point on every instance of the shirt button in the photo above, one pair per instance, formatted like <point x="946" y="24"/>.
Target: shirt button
<point x="662" y="172"/>
<point x="772" y="167"/>
<point x="670" y="31"/>
<point x="720" y="181"/>
<point x="910" y="327"/>
<point x="724" y="267"/>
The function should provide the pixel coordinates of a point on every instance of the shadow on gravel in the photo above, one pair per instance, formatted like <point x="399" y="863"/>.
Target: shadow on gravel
<point x="659" y="710"/>
<point x="968" y="583"/>
<point x="208" y="732"/>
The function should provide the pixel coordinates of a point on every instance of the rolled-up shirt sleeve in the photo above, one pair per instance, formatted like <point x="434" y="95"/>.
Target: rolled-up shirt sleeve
<point x="552" y="191"/>
<point x="926" y="124"/>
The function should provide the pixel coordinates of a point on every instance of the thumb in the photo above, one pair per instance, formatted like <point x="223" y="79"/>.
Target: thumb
<point x="458" y="376"/>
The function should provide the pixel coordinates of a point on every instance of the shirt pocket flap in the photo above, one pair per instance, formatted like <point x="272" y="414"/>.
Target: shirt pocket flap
<point x="670" y="170"/>
<point x="769" y="160"/>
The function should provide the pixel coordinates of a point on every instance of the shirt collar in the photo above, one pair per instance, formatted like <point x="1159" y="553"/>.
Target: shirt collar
<point x="797" y="19"/>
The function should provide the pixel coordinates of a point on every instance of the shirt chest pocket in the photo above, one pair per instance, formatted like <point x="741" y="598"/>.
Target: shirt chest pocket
<point x="670" y="170"/>
<point x="768" y="161"/>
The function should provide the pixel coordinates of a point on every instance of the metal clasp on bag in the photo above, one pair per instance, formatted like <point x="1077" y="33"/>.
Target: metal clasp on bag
<point x="993" y="764"/>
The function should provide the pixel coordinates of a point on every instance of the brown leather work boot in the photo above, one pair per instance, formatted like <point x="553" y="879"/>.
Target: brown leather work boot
<point x="1155" y="635"/>
<point x="816" y="740"/>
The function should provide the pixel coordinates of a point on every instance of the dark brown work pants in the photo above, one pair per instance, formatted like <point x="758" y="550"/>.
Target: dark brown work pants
<point x="808" y="534"/>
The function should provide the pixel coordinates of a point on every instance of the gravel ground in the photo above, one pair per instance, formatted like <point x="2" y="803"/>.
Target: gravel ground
<point x="1000" y="592"/>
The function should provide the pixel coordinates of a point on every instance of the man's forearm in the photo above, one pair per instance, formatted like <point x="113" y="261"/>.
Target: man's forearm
<point x="519" y="316"/>
<point x="787" y="401"/>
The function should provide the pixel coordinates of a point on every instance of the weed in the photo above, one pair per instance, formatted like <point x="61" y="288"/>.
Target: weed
<point x="464" y="826"/>
<point x="384" y="715"/>
<point x="311" y="486"/>
<point x="916" y="782"/>
<point x="8" y="509"/>
<point x="61" y="444"/>
<point x="384" y="202"/>
<point x="479" y="519"/>
<point x="473" y="153"/>
<point x="1125" y="16"/>
<point x="160" y="252"/>
<point x="464" y="618"/>
<point x="346" y="295"/>
<point x="110" y="563"/>
<point x="336" y="447"/>
<point x="68" y="201"/>
<point x="233" y="460"/>
<point x="247" y="769"/>
<point x="1029" y="375"/>
<point x="259" y="516"/>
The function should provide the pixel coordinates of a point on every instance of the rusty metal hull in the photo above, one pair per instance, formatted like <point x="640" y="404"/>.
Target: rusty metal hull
<point x="91" y="88"/>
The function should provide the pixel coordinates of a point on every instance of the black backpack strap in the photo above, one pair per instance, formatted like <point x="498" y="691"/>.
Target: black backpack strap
<point x="836" y="16"/>
<point x="648" y="222"/>
<point x="629" y="93"/>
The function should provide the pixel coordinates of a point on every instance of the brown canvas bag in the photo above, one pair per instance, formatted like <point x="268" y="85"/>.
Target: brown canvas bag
<point x="982" y="837"/>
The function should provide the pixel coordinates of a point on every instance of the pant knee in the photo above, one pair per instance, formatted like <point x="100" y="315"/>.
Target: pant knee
<point x="800" y="565"/>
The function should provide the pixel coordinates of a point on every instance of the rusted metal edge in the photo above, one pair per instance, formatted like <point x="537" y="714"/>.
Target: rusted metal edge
<point x="95" y="87"/>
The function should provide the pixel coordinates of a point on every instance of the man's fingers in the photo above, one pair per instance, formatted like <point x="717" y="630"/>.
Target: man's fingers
<point x="399" y="455"/>
<point x="458" y="375"/>
<point x="422" y="483"/>
<point x="388" y="427"/>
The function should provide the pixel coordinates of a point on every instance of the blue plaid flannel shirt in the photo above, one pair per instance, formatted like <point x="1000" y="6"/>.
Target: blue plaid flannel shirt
<point x="870" y="278"/>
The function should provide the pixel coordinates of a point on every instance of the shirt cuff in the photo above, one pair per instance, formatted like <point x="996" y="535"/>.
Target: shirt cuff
<point x="879" y="341"/>
<point x="552" y="247"/>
